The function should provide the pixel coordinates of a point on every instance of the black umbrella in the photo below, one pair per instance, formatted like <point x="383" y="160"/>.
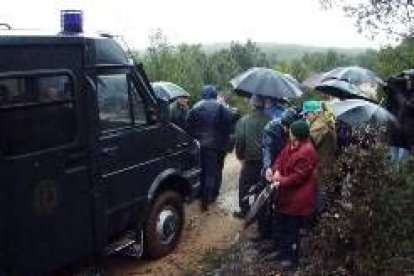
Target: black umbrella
<point x="353" y="74"/>
<point x="356" y="112"/>
<point x="314" y="80"/>
<point x="408" y="72"/>
<point x="265" y="82"/>
<point x="341" y="89"/>
<point x="168" y="90"/>
<point x="260" y="201"/>
<point x="294" y="81"/>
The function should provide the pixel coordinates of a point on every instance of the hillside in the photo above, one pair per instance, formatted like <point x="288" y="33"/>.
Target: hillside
<point x="286" y="52"/>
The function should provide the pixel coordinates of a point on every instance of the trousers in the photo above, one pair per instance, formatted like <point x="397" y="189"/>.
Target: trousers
<point x="285" y="230"/>
<point x="212" y="162"/>
<point x="249" y="176"/>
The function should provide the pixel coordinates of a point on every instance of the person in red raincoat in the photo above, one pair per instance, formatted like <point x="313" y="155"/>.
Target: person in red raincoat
<point x="295" y="172"/>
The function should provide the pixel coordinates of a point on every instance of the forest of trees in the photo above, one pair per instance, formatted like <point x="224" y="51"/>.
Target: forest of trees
<point x="191" y="66"/>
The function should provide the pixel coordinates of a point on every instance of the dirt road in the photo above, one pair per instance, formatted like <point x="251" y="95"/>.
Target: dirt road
<point x="215" y="229"/>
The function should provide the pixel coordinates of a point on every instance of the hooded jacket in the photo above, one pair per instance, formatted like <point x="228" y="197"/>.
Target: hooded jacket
<point x="210" y="122"/>
<point x="275" y="137"/>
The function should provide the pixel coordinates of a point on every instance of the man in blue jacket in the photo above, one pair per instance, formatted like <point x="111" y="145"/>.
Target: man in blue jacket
<point x="275" y="135"/>
<point x="210" y="123"/>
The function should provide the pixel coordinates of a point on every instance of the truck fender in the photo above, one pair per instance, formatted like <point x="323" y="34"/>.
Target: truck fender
<point x="159" y="181"/>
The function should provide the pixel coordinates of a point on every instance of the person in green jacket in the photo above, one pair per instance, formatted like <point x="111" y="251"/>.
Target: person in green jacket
<point x="248" y="147"/>
<point x="323" y="135"/>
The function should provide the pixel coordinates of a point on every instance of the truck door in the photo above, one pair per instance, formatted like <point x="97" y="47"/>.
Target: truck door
<point x="134" y="147"/>
<point x="45" y="170"/>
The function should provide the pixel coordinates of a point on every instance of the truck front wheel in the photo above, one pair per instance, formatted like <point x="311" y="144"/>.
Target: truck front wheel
<point x="164" y="225"/>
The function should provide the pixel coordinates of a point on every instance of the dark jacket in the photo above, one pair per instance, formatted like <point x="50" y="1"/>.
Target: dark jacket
<point x="298" y="183"/>
<point x="344" y="133"/>
<point x="210" y="123"/>
<point x="178" y="114"/>
<point x="273" y="139"/>
<point x="408" y="120"/>
<point x="231" y="142"/>
<point x="395" y="103"/>
<point x="249" y="131"/>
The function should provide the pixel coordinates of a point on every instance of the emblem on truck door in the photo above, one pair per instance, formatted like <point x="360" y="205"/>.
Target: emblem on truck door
<point x="45" y="197"/>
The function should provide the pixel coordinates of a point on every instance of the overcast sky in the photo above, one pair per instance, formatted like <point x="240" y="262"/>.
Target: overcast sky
<point x="196" y="21"/>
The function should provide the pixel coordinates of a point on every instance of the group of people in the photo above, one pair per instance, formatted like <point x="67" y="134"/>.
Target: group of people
<point x="292" y="149"/>
<point x="211" y="121"/>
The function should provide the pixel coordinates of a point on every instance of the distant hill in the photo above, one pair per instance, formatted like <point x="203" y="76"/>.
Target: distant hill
<point x="286" y="51"/>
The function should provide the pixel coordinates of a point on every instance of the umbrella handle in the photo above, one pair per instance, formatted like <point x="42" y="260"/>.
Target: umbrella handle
<point x="275" y="184"/>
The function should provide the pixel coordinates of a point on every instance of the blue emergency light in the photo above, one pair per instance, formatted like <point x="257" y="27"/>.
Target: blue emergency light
<point x="71" y="21"/>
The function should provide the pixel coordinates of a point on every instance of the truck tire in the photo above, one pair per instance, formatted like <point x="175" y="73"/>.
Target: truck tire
<point x="164" y="225"/>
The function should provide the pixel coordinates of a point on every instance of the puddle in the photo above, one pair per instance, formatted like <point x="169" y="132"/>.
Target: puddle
<point x="229" y="201"/>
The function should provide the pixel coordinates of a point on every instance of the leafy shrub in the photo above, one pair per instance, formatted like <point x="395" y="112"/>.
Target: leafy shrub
<point x="369" y="226"/>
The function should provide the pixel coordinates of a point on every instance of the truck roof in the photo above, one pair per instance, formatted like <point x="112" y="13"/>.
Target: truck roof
<point x="106" y="49"/>
<point x="40" y="36"/>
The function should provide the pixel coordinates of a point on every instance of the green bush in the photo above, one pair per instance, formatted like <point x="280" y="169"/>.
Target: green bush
<point x="369" y="226"/>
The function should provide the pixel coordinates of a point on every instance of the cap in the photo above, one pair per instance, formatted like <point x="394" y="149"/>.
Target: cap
<point x="300" y="129"/>
<point x="311" y="106"/>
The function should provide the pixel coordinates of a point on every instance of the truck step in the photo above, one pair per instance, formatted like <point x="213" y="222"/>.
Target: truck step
<point x="128" y="245"/>
<point x="127" y="240"/>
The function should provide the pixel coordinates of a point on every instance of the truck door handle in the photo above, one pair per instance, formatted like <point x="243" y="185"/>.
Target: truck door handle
<point x="108" y="150"/>
<point x="182" y="145"/>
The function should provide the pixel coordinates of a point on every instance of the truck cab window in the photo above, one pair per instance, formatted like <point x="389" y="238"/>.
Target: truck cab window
<point x="54" y="88"/>
<point x="14" y="90"/>
<point x="113" y="102"/>
<point x="36" y="113"/>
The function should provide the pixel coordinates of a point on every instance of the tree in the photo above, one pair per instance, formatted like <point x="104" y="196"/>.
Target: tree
<point x="159" y="58"/>
<point x="393" y="60"/>
<point x="368" y="59"/>
<point x="284" y="67"/>
<point x="248" y="55"/>
<point x="190" y="69"/>
<point x="222" y="68"/>
<point x="320" y="62"/>
<point x="299" y="70"/>
<point x="393" y="18"/>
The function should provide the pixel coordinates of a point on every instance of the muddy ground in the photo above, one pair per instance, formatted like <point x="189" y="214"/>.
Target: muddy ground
<point x="206" y="234"/>
<point x="212" y="243"/>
